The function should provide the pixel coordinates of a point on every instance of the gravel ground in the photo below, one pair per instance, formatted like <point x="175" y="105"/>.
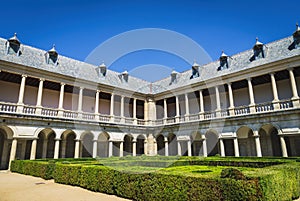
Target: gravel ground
<point x="18" y="187"/>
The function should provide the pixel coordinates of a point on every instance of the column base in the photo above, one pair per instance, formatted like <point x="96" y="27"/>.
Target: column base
<point x="295" y="101"/>
<point x="252" y="108"/>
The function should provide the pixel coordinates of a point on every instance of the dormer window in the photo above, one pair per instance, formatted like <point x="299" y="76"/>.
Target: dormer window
<point x="195" y="70"/>
<point x="258" y="51"/>
<point x="13" y="46"/>
<point x="52" y="56"/>
<point x="223" y="61"/>
<point x="174" y="77"/>
<point x="296" y="36"/>
<point x="101" y="70"/>
<point x="124" y="76"/>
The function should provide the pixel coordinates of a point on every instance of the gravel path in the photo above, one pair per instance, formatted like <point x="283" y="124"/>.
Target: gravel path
<point x="18" y="187"/>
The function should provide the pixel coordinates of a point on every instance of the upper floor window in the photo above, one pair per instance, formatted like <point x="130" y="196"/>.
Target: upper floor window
<point x="13" y="46"/>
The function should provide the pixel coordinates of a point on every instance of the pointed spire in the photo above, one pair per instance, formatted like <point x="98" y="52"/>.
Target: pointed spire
<point x="53" y="51"/>
<point x="195" y="64"/>
<point x="258" y="43"/>
<point x="297" y="32"/>
<point x="14" y="39"/>
<point x="102" y="65"/>
<point x="223" y="55"/>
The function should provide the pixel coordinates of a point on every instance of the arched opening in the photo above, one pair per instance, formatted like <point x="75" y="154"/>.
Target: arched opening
<point x="229" y="147"/>
<point x="197" y="144"/>
<point x="50" y="145"/>
<point x="67" y="145"/>
<point x="269" y="140"/>
<point x="172" y="145"/>
<point x="87" y="145"/>
<point x="45" y="144"/>
<point x="5" y="146"/>
<point x="140" y="142"/>
<point x="212" y="143"/>
<point x="102" y="145"/>
<point x="128" y="145"/>
<point x="160" y="142"/>
<point x="292" y="145"/>
<point x="246" y="141"/>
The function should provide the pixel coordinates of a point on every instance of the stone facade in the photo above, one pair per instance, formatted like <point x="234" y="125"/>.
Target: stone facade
<point x="55" y="107"/>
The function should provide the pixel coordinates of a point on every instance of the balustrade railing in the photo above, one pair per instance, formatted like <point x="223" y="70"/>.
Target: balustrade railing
<point x="264" y="107"/>
<point x="29" y="109"/>
<point x="52" y="112"/>
<point x="105" y="118"/>
<point x="70" y="114"/>
<point x="242" y="110"/>
<point x="8" y="107"/>
<point x="49" y="112"/>
<point x="285" y="104"/>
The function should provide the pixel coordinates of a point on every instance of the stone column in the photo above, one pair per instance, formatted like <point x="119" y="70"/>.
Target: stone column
<point x="218" y="102"/>
<point x="179" y="148"/>
<point x="275" y="92"/>
<point x="251" y="96"/>
<point x="63" y="148"/>
<point x="45" y="144"/>
<point x="56" y="149"/>
<point x="77" y="149"/>
<point x="122" y="106"/>
<point x="204" y="146"/>
<point x="166" y="147"/>
<point x="95" y="145"/>
<point x="97" y="105"/>
<point x="189" y="147"/>
<point x="177" y="108"/>
<point x="236" y="147"/>
<point x="283" y="146"/>
<point x="21" y="94"/>
<point x="112" y="101"/>
<point x="145" y="147"/>
<point x="231" y="100"/>
<point x="121" y="149"/>
<point x="134" y="148"/>
<point x="187" y="109"/>
<point x="134" y="111"/>
<point x="110" y="149"/>
<point x="257" y="144"/>
<point x="201" y="103"/>
<point x="295" y="98"/>
<point x="39" y="97"/>
<point x="222" y="147"/>
<point x="165" y="110"/>
<point x="13" y="151"/>
<point x="33" y="149"/>
<point x="61" y="99"/>
<point x="80" y="97"/>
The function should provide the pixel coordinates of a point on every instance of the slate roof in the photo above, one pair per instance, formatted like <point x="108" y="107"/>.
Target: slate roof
<point x="35" y="58"/>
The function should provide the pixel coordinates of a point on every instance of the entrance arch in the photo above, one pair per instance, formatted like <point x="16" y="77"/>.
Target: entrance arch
<point x="45" y="143"/>
<point x="197" y="144"/>
<point x="87" y="144"/>
<point x="172" y="145"/>
<point x="68" y="144"/>
<point x="269" y="140"/>
<point x="140" y="142"/>
<point x="128" y="144"/>
<point x="246" y="141"/>
<point x="212" y="143"/>
<point x="6" y="135"/>
<point x="160" y="142"/>
<point x="102" y="145"/>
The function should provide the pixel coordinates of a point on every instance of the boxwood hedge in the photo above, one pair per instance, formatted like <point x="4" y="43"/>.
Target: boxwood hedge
<point x="277" y="182"/>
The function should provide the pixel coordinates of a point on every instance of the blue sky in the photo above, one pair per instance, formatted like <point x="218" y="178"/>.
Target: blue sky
<point x="77" y="27"/>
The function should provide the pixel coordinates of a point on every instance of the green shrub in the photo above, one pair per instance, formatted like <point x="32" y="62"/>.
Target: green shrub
<point x="232" y="173"/>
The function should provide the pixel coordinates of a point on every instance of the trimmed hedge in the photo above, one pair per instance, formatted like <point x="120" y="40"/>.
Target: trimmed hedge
<point x="279" y="182"/>
<point x="41" y="169"/>
<point x="154" y="186"/>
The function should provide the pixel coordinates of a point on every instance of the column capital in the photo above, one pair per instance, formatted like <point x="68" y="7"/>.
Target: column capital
<point x="81" y="88"/>
<point x="229" y="83"/>
<point x="24" y="75"/>
<point x="290" y="68"/>
<point x="272" y="73"/>
<point x="62" y="84"/>
<point x="98" y="91"/>
<point x="249" y="79"/>
<point x="42" y="79"/>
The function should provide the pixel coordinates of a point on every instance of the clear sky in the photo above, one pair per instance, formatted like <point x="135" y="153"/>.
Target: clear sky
<point x="77" y="27"/>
